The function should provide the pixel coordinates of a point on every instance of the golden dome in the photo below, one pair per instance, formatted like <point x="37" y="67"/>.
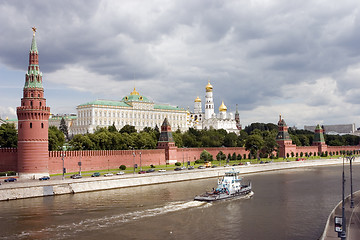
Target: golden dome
<point x="197" y="99"/>
<point x="222" y="107"/>
<point x="134" y="92"/>
<point x="209" y="87"/>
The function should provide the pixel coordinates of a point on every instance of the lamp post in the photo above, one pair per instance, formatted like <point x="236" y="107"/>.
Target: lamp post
<point x="63" y="165"/>
<point x="79" y="163"/>
<point x="134" y="161"/>
<point x="351" y="185"/>
<point x="343" y="232"/>
<point x="140" y="162"/>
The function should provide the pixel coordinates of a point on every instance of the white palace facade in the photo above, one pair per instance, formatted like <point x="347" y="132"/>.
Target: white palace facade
<point x="134" y="109"/>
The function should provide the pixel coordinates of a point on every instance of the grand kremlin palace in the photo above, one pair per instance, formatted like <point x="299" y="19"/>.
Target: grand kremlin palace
<point x="134" y="109"/>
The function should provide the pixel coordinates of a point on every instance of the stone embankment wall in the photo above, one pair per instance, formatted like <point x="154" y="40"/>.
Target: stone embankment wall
<point x="56" y="187"/>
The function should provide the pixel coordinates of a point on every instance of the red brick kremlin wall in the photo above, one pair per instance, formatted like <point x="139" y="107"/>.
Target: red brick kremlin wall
<point x="102" y="159"/>
<point x="8" y="159"/>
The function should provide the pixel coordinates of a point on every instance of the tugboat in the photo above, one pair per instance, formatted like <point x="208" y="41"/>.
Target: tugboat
<point x="228" y="187"/>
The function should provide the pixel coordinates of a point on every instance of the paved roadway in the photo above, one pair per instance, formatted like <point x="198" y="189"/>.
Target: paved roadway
<point x="352" y="219"/>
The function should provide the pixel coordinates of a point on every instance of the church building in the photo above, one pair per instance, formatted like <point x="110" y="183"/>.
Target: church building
<point x="209" y="119"/>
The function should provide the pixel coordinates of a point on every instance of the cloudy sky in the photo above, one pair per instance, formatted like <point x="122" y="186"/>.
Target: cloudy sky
<point x="297" y="58"/>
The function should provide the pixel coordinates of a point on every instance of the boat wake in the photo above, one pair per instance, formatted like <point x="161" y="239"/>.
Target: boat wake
<point x="68" y="230"/>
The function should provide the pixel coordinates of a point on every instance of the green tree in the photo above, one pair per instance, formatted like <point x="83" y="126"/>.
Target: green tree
<point x="230" y="140"/>
<point x="112" y="128"/>
<point x="206" y="156"/>
<point x="63" y="128"/>
<point x="270" y="145"/>
<point x="56" y="138"/>
<point x="254" y="143"/>
<point x="128" y="129"/>
<point x="8" y="136"/>
<point x="233" y="157"/>
<point x="242" y="138"/>
<point x="178" y="139"/>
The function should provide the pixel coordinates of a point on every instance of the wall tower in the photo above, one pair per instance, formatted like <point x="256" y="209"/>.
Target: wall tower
<point x="33" y="116"/>
<point x="319" y="139"/>
<point x="237" y="118"/>
<point x="209" y="102"/>
<point x="167" y="142"/>
<point x="283" y="139"/>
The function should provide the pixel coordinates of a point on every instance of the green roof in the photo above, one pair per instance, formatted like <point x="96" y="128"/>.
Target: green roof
<point x="135" y="98"/>
<point x="33" y="84"/>
<point x="107" y="103"/>
<point x="33" y="45"/>
<point x="167" y="107"/>
<point x="65" y="117"/>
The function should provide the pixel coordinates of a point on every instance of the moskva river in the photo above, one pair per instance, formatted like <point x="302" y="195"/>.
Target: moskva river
<point x="289" y="204"/>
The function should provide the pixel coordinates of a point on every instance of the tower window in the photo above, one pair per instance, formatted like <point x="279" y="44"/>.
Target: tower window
<point x="30" y="125"/>
<point x="31" y="103"/>
<point x="40" y="104"/>
<point x="42" y="125"/>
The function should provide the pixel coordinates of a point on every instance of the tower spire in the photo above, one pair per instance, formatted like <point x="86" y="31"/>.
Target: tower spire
<point x="33" y="116"/>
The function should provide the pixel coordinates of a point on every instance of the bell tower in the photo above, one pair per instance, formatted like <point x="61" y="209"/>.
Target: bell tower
<point x="33" y="117"/>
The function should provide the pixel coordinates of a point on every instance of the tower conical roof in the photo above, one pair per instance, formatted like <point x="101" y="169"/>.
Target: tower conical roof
<point x="33" y="42"/>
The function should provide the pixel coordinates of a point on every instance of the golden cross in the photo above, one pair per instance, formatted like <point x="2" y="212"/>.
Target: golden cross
<point x="34" y="29"/>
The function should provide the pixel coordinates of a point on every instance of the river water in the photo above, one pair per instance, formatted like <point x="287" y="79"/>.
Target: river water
<point x="287" y="204"/>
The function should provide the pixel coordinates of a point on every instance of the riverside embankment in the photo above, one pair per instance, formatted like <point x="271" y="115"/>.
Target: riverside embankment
<point x="352" y="216"/>
<point x="70" y="186"/>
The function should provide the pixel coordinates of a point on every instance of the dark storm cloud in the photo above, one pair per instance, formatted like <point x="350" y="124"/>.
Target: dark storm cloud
<point x="252" y="51"/>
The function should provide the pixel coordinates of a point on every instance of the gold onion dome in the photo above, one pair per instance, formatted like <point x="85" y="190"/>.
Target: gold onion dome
<point x="222" y="107"/>
<point x="134" y="92"/>
<point x="209" y="87"/>
<point x="197" y="99"/>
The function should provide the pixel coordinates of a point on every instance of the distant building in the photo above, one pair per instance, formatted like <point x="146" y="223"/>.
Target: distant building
<point x="334" y="129"/>
<point x="134" y="109"/>
<point x="70" y="120"/>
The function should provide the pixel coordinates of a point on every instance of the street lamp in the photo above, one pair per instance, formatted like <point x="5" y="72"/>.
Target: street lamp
<point x="134" y="161"/>
<point x="63" y="163"/>
<point x="351" y="185"/>
<point x="342" y="235"/>
<point x="140" y="162"/>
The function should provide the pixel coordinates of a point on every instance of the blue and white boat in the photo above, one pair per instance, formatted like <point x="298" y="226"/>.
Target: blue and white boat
<point x="229" y="186"/>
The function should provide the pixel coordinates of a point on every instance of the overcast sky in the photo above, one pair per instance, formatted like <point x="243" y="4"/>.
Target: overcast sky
<point x="297" y="58"/>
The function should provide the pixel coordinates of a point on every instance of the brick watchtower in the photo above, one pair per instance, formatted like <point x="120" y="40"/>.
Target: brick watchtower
<point x="166" y="142"/>
<point x="319" y="139"/>
<point x="283" y="139"/>
<point x="33" y="117"/>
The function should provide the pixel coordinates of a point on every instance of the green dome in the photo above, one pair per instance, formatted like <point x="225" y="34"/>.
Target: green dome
<point x="135" y="97"/>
